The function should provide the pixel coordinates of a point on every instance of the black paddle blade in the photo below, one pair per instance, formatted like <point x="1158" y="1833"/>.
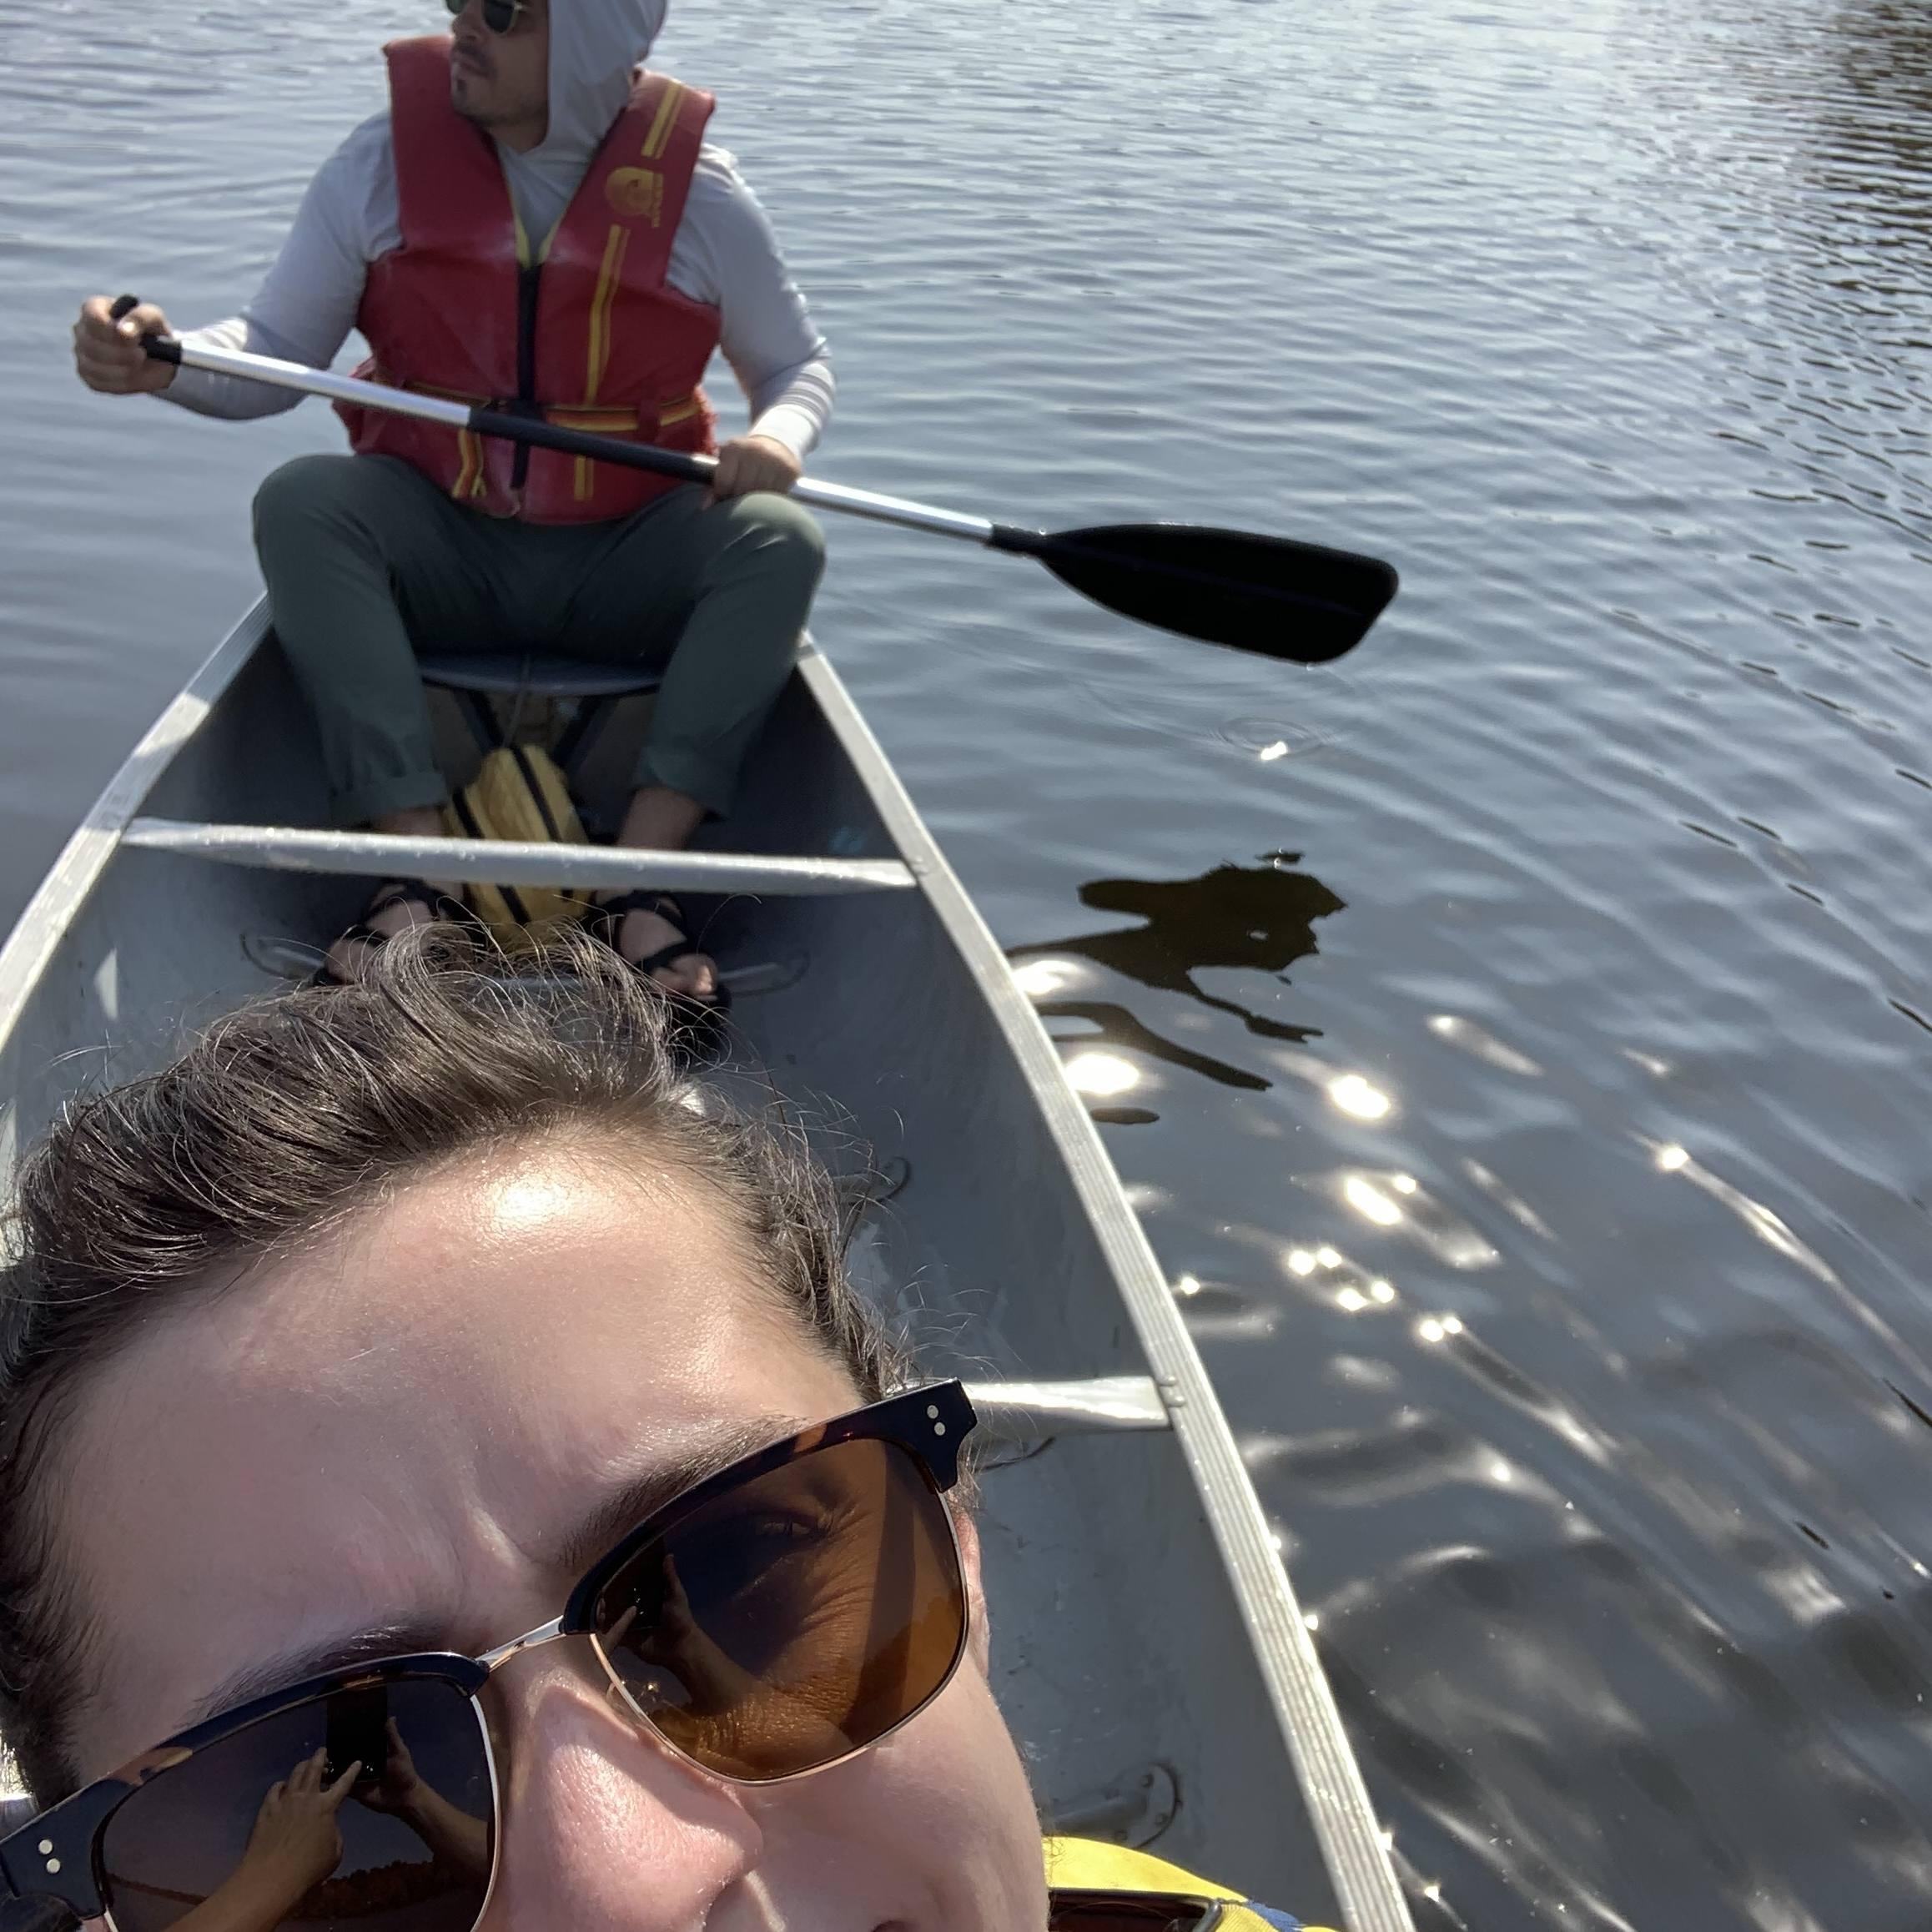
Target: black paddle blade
<point x="1269" y="594"/>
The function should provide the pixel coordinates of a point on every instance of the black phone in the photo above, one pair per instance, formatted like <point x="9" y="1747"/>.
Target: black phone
<point x="358" y="1731"/>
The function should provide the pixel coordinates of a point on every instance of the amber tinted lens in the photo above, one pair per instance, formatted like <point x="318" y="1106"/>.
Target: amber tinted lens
<point x="241" y="1828"/>
<point x="795" y="1619"/>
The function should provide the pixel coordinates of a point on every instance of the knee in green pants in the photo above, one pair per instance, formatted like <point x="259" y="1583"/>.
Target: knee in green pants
<point x="332" y="534"/>
<point x="737" y="646"/>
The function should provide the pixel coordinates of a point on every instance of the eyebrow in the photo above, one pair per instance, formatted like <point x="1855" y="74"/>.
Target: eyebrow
<point x="635" y="1499"/>
<point x="645" y="1493"/>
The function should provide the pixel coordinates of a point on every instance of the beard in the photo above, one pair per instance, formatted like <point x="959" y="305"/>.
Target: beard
<point x="491" y="93"/>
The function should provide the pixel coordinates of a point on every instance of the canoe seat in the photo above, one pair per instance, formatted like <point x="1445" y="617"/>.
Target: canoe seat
<point x="474" y="677"/>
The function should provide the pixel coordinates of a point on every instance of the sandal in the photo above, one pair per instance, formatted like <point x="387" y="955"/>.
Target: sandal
<point x="697" y="1022"/>
<point x="396" y="891"/>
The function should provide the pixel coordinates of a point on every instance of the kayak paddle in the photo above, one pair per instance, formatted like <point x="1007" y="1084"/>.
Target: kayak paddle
<point x="1268" y="595"/>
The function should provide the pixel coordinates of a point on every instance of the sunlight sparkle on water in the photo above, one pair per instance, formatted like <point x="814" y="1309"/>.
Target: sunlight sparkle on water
<point x="1670" y="1158"/>
<point x="1359" y="1097"/>
<point x="1269" y="753"/>
<point x="1370" y="1202"/>
<point x="1040" y="978"/>
<point x="1102" y="1075"/>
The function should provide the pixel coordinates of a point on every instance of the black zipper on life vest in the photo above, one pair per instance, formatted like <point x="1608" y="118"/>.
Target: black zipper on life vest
<point x="529" y="286"/>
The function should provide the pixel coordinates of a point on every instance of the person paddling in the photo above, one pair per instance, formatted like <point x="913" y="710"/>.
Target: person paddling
<point x="534" y="221"/>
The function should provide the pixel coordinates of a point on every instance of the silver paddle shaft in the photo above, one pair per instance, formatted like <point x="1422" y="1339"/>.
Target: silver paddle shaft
<point x="455" y="415"/>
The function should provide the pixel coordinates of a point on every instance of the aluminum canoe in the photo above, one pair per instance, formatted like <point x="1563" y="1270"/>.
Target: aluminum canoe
<point x="1147" y="1644"/>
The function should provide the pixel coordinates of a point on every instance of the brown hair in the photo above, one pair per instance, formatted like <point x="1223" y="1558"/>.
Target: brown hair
<point x="283" y="1120"/>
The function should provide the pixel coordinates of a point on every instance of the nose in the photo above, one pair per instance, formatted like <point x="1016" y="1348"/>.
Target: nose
<point x="604" y="1830"/>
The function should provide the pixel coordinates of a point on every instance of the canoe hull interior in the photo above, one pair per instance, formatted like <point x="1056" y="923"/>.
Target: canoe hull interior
<point x="1119" y="1649"/>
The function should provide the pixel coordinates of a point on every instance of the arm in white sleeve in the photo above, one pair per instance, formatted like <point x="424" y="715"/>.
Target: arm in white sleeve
<point x="306" y="307"/>
<point x="725" y="252"/>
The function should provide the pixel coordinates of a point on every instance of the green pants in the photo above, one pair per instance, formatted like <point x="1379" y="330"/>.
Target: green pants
<point x="369" y="566"/>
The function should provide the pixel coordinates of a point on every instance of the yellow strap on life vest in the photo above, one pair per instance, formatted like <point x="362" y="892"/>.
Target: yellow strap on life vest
<point x="1085" y="1865"/>
<point x="659" y="138"/>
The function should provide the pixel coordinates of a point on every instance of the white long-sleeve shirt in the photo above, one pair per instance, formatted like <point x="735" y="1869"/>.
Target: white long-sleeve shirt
<point x="723" y="253"/>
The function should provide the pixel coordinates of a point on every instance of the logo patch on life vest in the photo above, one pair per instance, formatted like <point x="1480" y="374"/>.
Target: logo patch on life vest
<point x="636" y="192"/>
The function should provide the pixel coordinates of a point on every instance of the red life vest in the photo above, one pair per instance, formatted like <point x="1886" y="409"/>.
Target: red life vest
<point x="584" y="328"/>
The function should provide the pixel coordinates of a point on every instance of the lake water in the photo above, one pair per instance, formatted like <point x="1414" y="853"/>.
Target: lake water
<point x="1515" y="1036"/>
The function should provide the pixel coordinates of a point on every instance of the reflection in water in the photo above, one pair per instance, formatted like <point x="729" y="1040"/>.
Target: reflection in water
<point x="1484" y="1045"/>
<point x="1104" y="1075"/>
<point x="1360" y="1097"/>
<point x="1512" y="1203"/>
<point x="1400" y="1204"/>
<point x="1251" y="917"/>
<point x="1100" y="1073"/>
<point x="1776" y="1233"/>
<point x="1351" y="1288"/>
<point x="1254" y="919"/>
<point x="1874" y="136"/>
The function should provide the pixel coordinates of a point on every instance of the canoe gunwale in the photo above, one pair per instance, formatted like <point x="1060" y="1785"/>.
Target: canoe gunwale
<point x="41" y="925"/>
<point x="1354" y="1849"/>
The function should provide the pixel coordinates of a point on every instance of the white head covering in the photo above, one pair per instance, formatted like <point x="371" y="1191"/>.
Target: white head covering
<point x="594" y="46"/>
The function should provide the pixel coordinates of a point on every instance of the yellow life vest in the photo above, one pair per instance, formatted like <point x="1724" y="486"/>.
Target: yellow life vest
<point x="1085" y="1877"/>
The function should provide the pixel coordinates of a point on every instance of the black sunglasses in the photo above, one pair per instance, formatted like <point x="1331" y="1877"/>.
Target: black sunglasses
<point x="499" y="16"/>
<point x="773" y="1620"/>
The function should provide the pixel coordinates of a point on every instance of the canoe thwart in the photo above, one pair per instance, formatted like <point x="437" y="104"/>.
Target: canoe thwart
<point x="512" y="861"/>
<point x="1023" y="1411"/>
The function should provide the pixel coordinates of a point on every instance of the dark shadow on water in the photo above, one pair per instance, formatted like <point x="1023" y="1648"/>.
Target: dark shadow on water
<point x="1873" y="134"/>
<point x="1252" y="919"/>
<point x="1119" y="1028"/>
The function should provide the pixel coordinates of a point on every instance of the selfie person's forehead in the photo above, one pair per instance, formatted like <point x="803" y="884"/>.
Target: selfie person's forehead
<point x="416" y="1435"/>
